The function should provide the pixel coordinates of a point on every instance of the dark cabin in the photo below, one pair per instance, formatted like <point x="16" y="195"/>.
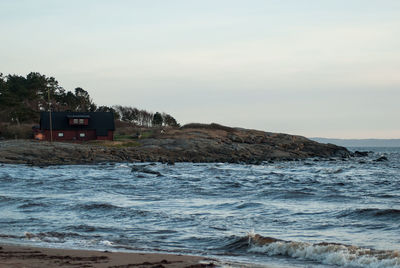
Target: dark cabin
<point x="75" y="126"/>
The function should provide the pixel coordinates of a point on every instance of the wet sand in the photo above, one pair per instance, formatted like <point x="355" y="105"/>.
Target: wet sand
<point x="14" y="256"/>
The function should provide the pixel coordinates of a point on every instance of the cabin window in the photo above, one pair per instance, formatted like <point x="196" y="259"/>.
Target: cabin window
<point x="75" y="120"/>
<point x="82" y="135"/>
<point x="81" y="121"/>
<point x="60" y="134"/>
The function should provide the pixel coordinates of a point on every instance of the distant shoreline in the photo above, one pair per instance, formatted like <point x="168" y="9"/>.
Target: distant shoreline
<point x="198" y="143"/>
<point x="360" y="142"/>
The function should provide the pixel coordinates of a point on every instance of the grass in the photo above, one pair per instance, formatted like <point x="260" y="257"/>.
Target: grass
<point x="115" y="143"/>
<point x="124" y="144"/>
<point x="147" y="134"/>
<point x="123" y="137"/>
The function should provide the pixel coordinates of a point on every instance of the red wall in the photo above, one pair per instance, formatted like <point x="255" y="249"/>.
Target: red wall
<point x="74" y="135"/>
<point x="109" y="137"/>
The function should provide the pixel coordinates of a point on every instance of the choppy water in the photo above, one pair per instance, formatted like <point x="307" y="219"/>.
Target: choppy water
<point x="327" y="213"/>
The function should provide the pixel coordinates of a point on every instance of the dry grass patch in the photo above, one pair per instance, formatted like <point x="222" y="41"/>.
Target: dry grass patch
<point x="115" y="144"/>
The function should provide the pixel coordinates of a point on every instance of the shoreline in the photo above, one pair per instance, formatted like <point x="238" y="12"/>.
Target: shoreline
<point x="19" y="256"/>
<point x="196" y="145"/>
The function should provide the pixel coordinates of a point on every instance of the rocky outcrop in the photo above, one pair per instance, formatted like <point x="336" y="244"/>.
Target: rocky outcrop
<point x="381" y="159"/>
<point x="188" y="144"/>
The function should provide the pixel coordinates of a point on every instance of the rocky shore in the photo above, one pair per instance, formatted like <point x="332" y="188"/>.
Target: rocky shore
<point x="196" y="143"/>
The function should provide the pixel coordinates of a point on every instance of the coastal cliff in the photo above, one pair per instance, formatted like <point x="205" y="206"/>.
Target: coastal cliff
<point x="192" y="143"/>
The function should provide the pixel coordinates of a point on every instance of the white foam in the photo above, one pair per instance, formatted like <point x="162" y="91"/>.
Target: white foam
<point x="106" y="243"/>
<point x="333" y="254"/>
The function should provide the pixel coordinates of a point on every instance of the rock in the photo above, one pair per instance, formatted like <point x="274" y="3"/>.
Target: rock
<point x="144" y="169"/>
<point x="381" y="159"/>
<point x="360" y="154"/>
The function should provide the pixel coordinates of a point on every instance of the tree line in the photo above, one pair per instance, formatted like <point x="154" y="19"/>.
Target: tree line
<point x="22" y="98"/>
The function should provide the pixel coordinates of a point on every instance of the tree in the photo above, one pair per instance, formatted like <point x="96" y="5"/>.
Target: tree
<point x="22" y="98"/>
<point x="123" y="112"/>
<point x="70" y="101"/>
<point x="17" y="100"/>
<point x="168" y="120"/>
<point x="40" y="86"/>
<point x="147" y="118"/>
<point x="108" y="109"/>
<point x="157" y="119"/>
<point x="85" y="103"/>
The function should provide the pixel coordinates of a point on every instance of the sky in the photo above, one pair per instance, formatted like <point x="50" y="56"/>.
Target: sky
<point x="317" y="68"/>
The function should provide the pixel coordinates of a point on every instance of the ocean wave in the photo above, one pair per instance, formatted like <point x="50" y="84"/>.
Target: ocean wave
<point x="247" y="205"/>
<point x="51" y="237"/>
<point x="11" y="236"/>
<point x="98" y="206"/>
<point x="84" y="228"/>
<point x="6" y="179"/>
<point x="7" y="199"/>
<point x="325" y="253"/>
<point x="297" y="194"/>
<point x="392" y="214"/>
<point x="32" y="204"/>
<point x="234" y="243"/>
<point x="330" y="170"/>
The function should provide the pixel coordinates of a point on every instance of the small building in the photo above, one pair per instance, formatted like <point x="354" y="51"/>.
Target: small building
<point x="75" y="126"/>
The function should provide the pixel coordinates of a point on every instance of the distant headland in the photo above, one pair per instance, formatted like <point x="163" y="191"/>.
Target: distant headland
<point x="360" y="142"/>
<point x="140" y="136"/>
<point x="190" y="143"/>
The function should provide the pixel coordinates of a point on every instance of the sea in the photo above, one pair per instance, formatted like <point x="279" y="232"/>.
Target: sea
<point x="308" y="213"/>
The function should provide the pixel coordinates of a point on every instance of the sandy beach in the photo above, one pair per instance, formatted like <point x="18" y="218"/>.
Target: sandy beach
<point x="15" y="256"/>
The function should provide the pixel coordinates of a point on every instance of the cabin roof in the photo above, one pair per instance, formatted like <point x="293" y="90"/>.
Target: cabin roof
<point x="99" y="121"/>
<point x="78" y="116"/>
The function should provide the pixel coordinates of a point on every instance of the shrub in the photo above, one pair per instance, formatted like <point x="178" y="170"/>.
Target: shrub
<point x="12" y="131"/>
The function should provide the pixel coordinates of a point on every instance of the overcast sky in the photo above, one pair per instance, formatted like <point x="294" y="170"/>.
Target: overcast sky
<point x="328" y="68"/>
